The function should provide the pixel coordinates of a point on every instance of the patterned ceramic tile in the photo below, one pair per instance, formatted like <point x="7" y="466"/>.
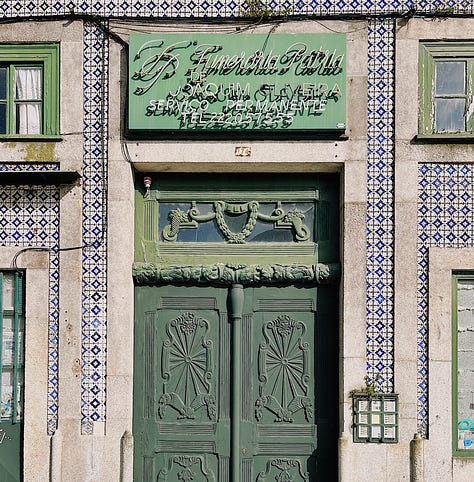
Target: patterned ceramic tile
<point x="29" y="217"/>
<point x="445" y="219"/>
<point x="380" y="209"/>
<point x="223" y="8"/>
<point x="434" y="228"/>
<point x="94" y="262"/>
<point x="29" y="166"/>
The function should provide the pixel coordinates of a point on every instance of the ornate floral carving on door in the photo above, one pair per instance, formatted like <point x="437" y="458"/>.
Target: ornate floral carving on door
<point x="186" y="468"/>
<point x="283" y="370"/>
<point x="187" y="368"/>
<point x="284" y="470"/>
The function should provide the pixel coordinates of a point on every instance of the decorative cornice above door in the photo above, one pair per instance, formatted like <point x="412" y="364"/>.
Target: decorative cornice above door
<point x="228" y="274"/>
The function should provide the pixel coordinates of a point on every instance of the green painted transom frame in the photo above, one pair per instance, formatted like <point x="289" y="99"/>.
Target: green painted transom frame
<point x="292" y="219"/>
<point x="261" y="219"/>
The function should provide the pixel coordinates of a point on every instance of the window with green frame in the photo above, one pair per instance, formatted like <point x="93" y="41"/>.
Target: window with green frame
<point x="12" y="328"/>
<point x="463" y="364"/>
<point x="29" y="90"/>
<point x="12" y="372"/>
<point x="446" y="72"/>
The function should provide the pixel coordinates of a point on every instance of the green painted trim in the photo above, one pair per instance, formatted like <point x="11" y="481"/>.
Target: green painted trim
<point x="47" y="56"/>
<point x="454" y="363"/>
<point x="235" y="195"/>
<point x="425" y="74"/>
<point x="429" y="52"/>
<point x="470" y="95"/>
<point x="16" y="313"/>
<point x="30" y="138"/>
<point x="1" y="332"/>
<point x="16" y="341"/>
<point x="446" y="137"/>
<point x="369" y="412"/>
<point x="251" y="249"/>
<point x="12" y="426"/>
<point x="236" y="303"/>
<point x="320" y="189"/>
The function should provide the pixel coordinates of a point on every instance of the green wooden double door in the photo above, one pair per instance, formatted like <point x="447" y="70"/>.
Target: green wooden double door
<point x="236" y="383"/>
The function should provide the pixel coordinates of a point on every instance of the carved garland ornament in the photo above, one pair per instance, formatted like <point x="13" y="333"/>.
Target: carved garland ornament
<point x="227" y="274"/>
<point x="179" y="219"/>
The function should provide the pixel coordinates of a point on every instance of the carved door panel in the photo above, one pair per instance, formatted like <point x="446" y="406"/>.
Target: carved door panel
<point x="186" y="390"/>
<point x="279" y="434"/>
<point x="181" y="413"/>
<point x="236" y="363"/>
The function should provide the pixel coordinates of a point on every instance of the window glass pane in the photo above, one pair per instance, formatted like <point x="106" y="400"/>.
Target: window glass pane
<point x="449" y="115"/>
<point x="9" y="345"/>
<point x="3" y="83"/>
<point x="465" y="368"/>
<point x="6" y="401"/>
<point x="8" y="322"/>
<point x="8" y="289"/>
<point x="28" y="83"/>
<point x="3" y="118"/>
<point x="450" y="78"/>
<point x="19" y="394"/>
<point x="28" y="119"/>
<point x="294" y="223"/>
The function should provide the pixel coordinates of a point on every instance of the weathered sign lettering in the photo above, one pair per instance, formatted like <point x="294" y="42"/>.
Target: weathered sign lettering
<point x="237" y="82"/>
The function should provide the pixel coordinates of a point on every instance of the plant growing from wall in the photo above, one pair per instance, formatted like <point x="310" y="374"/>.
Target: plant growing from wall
<point x="370" y="388"/>
<point x="260" y="10"/>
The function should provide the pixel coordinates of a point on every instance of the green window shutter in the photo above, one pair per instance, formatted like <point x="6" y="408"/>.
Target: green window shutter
<point x="46" y="58"/>
<point x="426" y="73"/>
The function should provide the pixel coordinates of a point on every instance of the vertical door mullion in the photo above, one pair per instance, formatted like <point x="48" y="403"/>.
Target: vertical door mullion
<point x="236" y="312"/>
<point x="16" y="361"/>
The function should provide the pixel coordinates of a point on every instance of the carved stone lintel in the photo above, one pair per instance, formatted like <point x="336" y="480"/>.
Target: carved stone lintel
<point x="227" y="274"/>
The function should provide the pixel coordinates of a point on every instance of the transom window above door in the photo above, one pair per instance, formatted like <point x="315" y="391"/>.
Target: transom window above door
<point x="237" y="222"/>
<point x="252" y="217"/>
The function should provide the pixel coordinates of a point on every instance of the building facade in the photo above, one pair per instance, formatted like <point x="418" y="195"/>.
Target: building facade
<point x="236" y="240"/>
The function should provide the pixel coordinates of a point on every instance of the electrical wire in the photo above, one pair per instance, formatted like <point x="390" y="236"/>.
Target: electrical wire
<point x="24" y="250"/>
<point x="98" y="241"/>
<point x="110" y="24"/>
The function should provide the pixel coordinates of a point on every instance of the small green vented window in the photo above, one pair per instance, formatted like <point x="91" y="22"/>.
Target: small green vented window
<point x="12" y="333"/>
<point x="29" y="90"/>
<point x="446" y="71"/>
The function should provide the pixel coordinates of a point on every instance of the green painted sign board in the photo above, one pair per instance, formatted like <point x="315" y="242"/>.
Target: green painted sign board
<point x="235" y="83"/>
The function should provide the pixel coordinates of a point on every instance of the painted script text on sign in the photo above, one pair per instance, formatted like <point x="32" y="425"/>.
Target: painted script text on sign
<point x="238" y="82"/>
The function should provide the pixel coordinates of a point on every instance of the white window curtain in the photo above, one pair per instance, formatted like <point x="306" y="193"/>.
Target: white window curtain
<point x="28" y="88"/>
